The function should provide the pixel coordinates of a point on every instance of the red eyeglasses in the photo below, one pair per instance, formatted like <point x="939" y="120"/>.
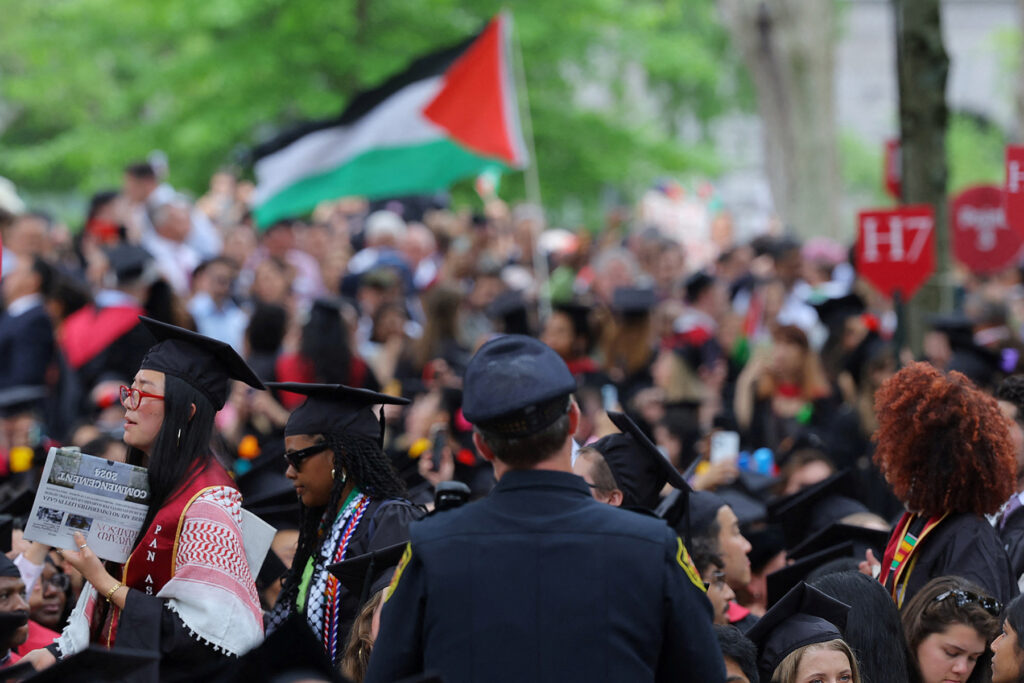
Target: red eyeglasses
<point x="131" y="397"/>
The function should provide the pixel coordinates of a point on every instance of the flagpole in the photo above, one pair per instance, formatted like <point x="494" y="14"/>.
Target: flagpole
<point x="531" y="175"/>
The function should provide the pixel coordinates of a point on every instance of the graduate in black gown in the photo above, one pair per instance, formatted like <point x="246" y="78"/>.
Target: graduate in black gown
<point x="352" y="502"/>
<point x="945" y="448"/>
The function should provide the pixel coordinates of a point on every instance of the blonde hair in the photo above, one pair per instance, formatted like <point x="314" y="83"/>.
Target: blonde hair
<point x="360" y="641"/>
<point x="786" y="671"/>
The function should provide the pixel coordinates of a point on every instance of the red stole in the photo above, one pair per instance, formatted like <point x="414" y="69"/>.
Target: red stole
<point x="152" y="563"/>
<point x="899" y="558"/>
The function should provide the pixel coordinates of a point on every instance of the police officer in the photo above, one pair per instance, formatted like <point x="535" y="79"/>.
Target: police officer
<point x="539" y="581"/>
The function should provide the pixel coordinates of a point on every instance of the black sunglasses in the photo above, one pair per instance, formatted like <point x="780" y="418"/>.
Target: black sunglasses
<point x="990" y="605"/>
<point x="295" y="458"/>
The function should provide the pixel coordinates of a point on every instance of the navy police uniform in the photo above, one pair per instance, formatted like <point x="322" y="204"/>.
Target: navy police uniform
<point x="539" y="581"/>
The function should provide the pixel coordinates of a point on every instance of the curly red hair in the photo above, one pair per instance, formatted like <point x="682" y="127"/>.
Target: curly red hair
<point x="943" y="445"/>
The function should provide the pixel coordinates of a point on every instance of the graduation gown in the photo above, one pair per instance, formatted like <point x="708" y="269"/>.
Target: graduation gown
<point x="967" y="546"/>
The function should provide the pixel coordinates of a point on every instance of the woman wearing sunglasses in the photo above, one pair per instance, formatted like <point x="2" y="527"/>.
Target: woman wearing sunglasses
<point x="945" y="448"/>
<point x="949" y="625"/>
<point x="186" y="591"/>
<point x="351" y="502"/>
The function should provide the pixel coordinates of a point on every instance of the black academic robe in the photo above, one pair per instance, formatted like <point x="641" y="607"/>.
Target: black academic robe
<point x="1012" y="536"/>
<point x="967" y="546"/>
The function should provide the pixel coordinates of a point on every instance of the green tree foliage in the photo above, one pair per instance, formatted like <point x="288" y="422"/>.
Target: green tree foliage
<point x="88" y="85"/>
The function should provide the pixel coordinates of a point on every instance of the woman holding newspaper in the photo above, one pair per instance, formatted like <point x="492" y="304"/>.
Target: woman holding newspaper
<point x="186" y="591"/>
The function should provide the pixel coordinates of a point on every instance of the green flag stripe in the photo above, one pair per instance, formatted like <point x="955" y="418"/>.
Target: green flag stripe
<point x="378" y="173"/>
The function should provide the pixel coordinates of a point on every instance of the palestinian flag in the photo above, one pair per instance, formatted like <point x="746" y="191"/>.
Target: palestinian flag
<point x="449" y="116"/>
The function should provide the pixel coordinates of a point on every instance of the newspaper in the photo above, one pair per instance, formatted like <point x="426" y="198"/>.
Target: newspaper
<point x="103" y="499"/>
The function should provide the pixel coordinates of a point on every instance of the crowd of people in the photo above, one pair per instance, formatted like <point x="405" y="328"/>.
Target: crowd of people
<point x="439" y="411"/>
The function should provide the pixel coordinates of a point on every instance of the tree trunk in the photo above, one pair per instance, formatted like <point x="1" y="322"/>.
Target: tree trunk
<point x="788" y="48"/>
<point x="922" y="66"/>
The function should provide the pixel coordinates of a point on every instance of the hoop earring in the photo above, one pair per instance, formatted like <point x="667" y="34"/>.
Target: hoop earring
<point x="332" y="474"/>
<point x="178" y="443"/>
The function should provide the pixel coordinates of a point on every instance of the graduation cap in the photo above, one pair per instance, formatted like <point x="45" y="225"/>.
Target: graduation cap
<point x="813" y="508"/>
<point x="20" y="399"/>
<point x="834" y="312"/>
<point x="639" y="468"/>
<point x="129" y="262"/>
<point x="633" y="301"/>
<point x="18" y="505"/>
<point x="336" y="408"/>
<point x="747" y="508"/>
<point x="979" y="364"/>
<point x="510" y="307"/>
<point x="862" y="538"/>
<point x="579" y="314"/>
<point x="781" y="581"/>
<point x="804" y="616"/>
<point x="696" y="284"/>
<point x="958" y="328"/>
<point x="204" y="363"/>
<point x="366" y="574"/>
<point x="271" y="570"/>
<point x="92" y="664"/>
<point x="766" y="542"/>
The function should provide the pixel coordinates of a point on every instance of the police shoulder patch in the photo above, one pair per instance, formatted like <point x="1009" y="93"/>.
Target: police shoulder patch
<point x="406" y="556"/>
<point x="683" y="558"/>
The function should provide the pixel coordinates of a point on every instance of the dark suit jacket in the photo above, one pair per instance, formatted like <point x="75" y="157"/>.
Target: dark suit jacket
<point x="540" y="582"/>
<point x="26" y="348"/>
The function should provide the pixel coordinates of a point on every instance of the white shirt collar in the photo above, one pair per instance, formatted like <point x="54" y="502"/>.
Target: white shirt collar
<point x="23" y="304"/>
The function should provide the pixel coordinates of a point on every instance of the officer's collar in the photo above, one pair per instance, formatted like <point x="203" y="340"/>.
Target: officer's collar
<point x="517" y="479"/>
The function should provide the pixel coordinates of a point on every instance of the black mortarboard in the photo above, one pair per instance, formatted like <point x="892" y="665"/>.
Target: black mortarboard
<point x="959" y="329"/>
<point x="639" y="468"/>
<point x="781" y="581"/>
<point x="579" y="314"/>
<point x="291" y="647"/>
<point x="205" y="364"/>
<point x="366" y="574"/>
<point x="95" y="664"/>
<point x="766" y="542"/>
<point x="747" y="508"/>
<point x="336" y="409"/>
<point x="703" y="510"/>
<point x="18" y="504"/>
<point x="813" y="508"/>
<point x="129" y="262"/>
<point x="804" y="616"/>
<point x="511" y="309"/>
<point x="19" y="399"/>
<point x="980" y="365"/>
<point x="8" y="568"/>
<point x="834" y="312"/>
<point x="862" y="538"/>
<point x="633" y="301"/>
<point x="697" y="283"/>
<point x="516" y="386"/>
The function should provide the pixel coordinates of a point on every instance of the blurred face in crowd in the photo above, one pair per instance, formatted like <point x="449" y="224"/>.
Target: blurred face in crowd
<point x="216" y="281"/>
<point x="270" y="284"/>
<point x="21" y="281"/>
<point x="586" y="462"/>
<point x="1007" y="662"/>
<point x="312" y="479"/>
<point x="239" y="244"/>
<point x="138" y="189"/>
<point x="175" y="223"/>
<point x="558" y="334"/>
<point x="27" y="236"/>
<point x="719" y="593"/>
<point x="950" y="655"/>
<point x="1013" y="417"/>
<point x="733" y="548"/>
<point x="46" y="604"/>
<point x="143" y="424"/>
<point x="13" y="599"/>
<point x="806" y="475"/>
<point x="278" y="241"/>
<point x="787" y="359"/>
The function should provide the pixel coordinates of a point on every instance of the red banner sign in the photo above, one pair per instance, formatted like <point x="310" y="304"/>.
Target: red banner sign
<point x="1014" y="188"/>
<point x="893" y="168"/>
<point x="982" y="241"/>
<point x="896" y="248"/>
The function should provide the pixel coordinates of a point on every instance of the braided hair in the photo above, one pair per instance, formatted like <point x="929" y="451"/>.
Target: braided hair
<point x="365" y="464"/>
